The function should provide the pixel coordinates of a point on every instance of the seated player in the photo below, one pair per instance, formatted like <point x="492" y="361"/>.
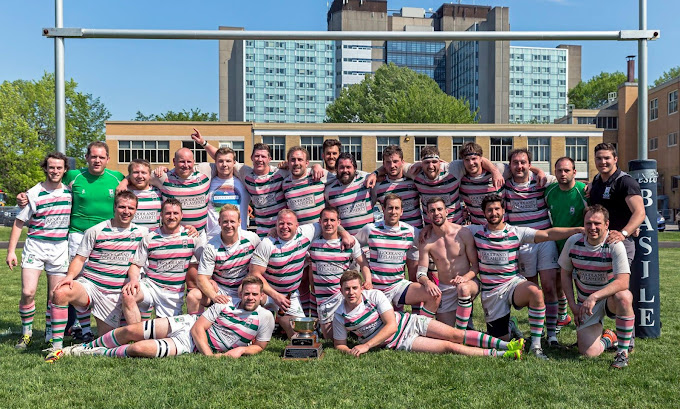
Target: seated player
<point x="223" y="330"/>
<point x="370" y="316"/>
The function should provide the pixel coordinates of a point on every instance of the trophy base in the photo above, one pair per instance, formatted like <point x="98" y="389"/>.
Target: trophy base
<point x="314" y="351"/>
<point x="307" y="341"/>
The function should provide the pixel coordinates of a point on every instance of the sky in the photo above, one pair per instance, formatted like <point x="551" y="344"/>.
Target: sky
<point x="154" y="76"/>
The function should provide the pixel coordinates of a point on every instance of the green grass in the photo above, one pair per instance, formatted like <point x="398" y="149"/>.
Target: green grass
<point x="5" y="231"/>
<point x="669" y="236"/>
<point x="382" y="379"/>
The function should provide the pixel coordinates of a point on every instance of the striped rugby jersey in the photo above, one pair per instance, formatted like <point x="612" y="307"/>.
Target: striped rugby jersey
<point x="48" y="213"/>
<point x="233" y="327"/>
<point x="388" y="249"/>
<point x="525" y="204"/>
<point x="285" y="261"/>
<point x="266" y="196"/>
<point x="353" y="202"/>
<point x="498" y="252"/>
<point x="329" y="261"/>
<point x="305" y="197"/>
<point x="472" y="191"/>
<point x="148" y="207"/>
<point x="410" y="198"/>
<point x="168" y="257"/>
<point x="364" y="321"/>
<point x="192" y="192"/>
<point x="227" y="265"/>
<point x="109" y="251"/>
<point x="447" y="186"/>
<point x="593" y="267"/>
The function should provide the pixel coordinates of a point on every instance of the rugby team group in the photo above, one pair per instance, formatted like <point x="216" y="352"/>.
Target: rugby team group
<point x="348" y="247"/>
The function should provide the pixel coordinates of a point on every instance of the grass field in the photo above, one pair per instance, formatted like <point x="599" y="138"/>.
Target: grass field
<point x="5" y="231"/>
<point x="669" y="236"/>
<point x="382" y="379"/>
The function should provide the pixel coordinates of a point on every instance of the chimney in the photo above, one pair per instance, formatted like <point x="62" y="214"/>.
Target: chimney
<point x="631" y="68"/>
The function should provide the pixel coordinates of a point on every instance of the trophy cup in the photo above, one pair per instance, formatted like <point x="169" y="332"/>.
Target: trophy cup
<point x="304" y="343"/>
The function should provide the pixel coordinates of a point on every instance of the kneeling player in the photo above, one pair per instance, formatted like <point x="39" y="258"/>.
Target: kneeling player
<point x="223" y="329"/>
<point x="370" y="316"/>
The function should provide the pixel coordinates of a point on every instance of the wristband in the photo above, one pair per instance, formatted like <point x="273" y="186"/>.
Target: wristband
<point x="421" y="272"/>
<point x="205" y="142"/>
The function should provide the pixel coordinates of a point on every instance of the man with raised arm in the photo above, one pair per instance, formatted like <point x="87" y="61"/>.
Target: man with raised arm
<point x="223" y="330"/>
<point x="452" y="248"/>
<point x="498" y="245"/>
<point x="601" y="274"/>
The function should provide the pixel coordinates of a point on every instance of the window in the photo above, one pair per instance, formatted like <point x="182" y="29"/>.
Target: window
<point x="672" y="139"/>
<point x="352" y="144"/>
<point x="458" y="143"/>
<point x="200" y="154"/>
<point x="153" y="151"/>
<point x="423" y="141"/>
<point x="673" y="102"/>
<point x="540" y="149"/>
<point x="500" y="147"/>
<point x="277" y="145"/>
<point x="654" y="143"/>
<point x="384" y="142"/>
<point x="653" y="109"/>
<point x="313" y="145"/>
<point x="607" y="122"/>
<point x="238" y="147"/>
<point x="577" y="149"/>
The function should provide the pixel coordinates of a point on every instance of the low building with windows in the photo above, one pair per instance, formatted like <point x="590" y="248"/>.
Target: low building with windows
<point x="157" y="141"/>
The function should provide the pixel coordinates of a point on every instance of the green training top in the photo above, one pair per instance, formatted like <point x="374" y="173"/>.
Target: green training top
<point x="566" y="207"/>
<point x="92" y="197"/>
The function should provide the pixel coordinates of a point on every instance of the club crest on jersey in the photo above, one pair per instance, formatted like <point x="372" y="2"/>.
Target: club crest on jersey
<point x="110" y="192"/>
<point x="185" y="243"/>
<point x="572" y="210"/>
<point x="607" y="193"/>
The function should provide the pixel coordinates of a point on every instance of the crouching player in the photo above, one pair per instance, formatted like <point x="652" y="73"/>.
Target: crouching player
<point x="601" y="273"/>
<point x="223" y="329"/>
<point x="370" y="316"/>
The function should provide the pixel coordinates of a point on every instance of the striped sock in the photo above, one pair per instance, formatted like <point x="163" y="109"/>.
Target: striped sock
<point x="415" y="308"/>
<point x="107" y="340"/>
<point x="551" y="317"/>
<point x="536" y="321"/>
<point x="27" y="313"/>
<point x="146" y="315"/>
<point x="492" y="352"/>
<point x="562" y="307"/>
<point x="426" y="313"/>
<point x="59" y="318"/>
<point x="606" y="341"/>
<point x="463" y="312"/>
<point x="84" y="319"/>
<point x="312" y="303"/>
<point x="48" y="322"/>
<point x="624" y="331"/>
<point x="118" y="352"/>
<point x="482" y="340"/>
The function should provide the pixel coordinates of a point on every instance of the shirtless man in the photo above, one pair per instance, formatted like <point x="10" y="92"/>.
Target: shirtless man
<point x="452" y="248"/>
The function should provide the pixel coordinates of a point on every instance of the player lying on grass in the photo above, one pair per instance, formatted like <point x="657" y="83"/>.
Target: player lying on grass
<point x="370" y="316"/>
<point x="223" y="329"/>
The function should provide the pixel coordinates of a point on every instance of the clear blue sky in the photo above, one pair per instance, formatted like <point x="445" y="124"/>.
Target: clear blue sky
<point x="155" y="76"/>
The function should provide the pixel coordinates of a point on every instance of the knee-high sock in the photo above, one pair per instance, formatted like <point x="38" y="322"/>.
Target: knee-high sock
<point x="536" y="322"/>
<point x="84" y="319"/>
<point x="107" y="340"/>
<point x="146" y="315"/>
<point x="551" y="308"/>
<point x="118" y="352"/>
<point x="562" y="307"/>
<point x="48" y="322"/>
<point x="624" y="331"/>
<point x="27" y="313"/>
<point x="426" y="313"/>
<point x="482" y="340"/>
<point x="463" y="312"/>
<point x="59" y="318"/>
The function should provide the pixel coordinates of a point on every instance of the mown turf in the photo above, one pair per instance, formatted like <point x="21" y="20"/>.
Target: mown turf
<point x="5" y="231"/>
<point x="381" y="379"/>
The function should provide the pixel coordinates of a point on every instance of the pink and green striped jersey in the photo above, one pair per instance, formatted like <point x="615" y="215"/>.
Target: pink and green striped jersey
<point x="525" y="204"/>
<point x="353" y="202"/>
<point x="165" y="258"/>
<point x="148" y="207"/>
<point x="364" y="321"/>
<point x="109" y="251"/>
<point x="285" y="260"/>
<point x="192" y="192"/>
<point x="266" y="197"/>
<point x="593" y="267"/>
<point x="227" y="265"/>
<point x="48" y="213"/>
<point x="305" y="197"/>
<point x="329" y="261"/>
<point x="233" y="327"/>
<point x="498" y="252"/>
<point x="389" y="247"/>
<point x="410" y="198"/>
<point x="447" y="186"/>
<point x="472" y="191"/>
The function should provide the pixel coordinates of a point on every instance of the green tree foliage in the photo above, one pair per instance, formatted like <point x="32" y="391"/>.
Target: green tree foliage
<point x="398" y="95"/>
<point x="594" y="92"/>
<point x="27" y="128"/>
<point x="193" y="115"/>
<point x="668" y="75"/>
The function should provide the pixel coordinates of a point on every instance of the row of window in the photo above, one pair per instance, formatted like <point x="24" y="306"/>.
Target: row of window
<point x="298" y="58"/>
<point x="159" y="151"/>
<point x="672" y="141"/>
<point x="543" y="94"/>
<point x="545" y="70"/>
<point x="299" y="46"/>
<point x="536" y="57"/>
<point x="282" y="84"/>
<point x="672" y="105"/>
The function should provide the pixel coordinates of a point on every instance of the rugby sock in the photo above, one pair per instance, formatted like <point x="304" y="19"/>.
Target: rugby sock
<point x="84" y="319"/>
<point x="624" y="331"/>
<point x="146" y="315"/>
<point x="312" y="304"/>
<point x="27" y="312"/>
<point x="562" y="308"/>
<point x="551" y="318"/>
<point x="415" y="309"/>
<point x="426" y="313"/>
<point x="463" y="312"/>
<point x="107" y="340"/>
<point x="48" y="322"/>
<point x="118" y="352"/>
<point x="607" y="340"/>
<point x="492" y="352"/>
<point x="59" y="318"/>
<point x="536" y="321"/>
<point x="482" y="340"/>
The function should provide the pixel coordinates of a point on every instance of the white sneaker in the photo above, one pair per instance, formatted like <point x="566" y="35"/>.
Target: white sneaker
<point x="83" y="350"/>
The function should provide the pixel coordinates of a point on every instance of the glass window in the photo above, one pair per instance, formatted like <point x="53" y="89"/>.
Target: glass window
<point x="672" y="139"/>
<point x="423" y="141"/>
<point x="577" y="149"/>
<point x="200" y="155"/>
<point x="384" y="142"/>
<point x="500" y="148"/>
<point x="653" y="144"/>
<point x="352" y="144"/>
<point x="653" y="109"/>
<point x="313" y="144"/>
<point x="458" y="143"/>
<point x="540" y="149"/>
<point x="673" y="102"/>
<point x="277" y="145"/>
<point x="238" y="147"/>
<point x="153" y="151"/>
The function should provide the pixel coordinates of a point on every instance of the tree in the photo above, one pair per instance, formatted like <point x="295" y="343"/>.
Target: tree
<point x="398" y="95"/>
<point x="193" y="115"/>
<point x="27" y="128"/>
<point x="668" y="75"/>
<point x="594" y="92"/>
